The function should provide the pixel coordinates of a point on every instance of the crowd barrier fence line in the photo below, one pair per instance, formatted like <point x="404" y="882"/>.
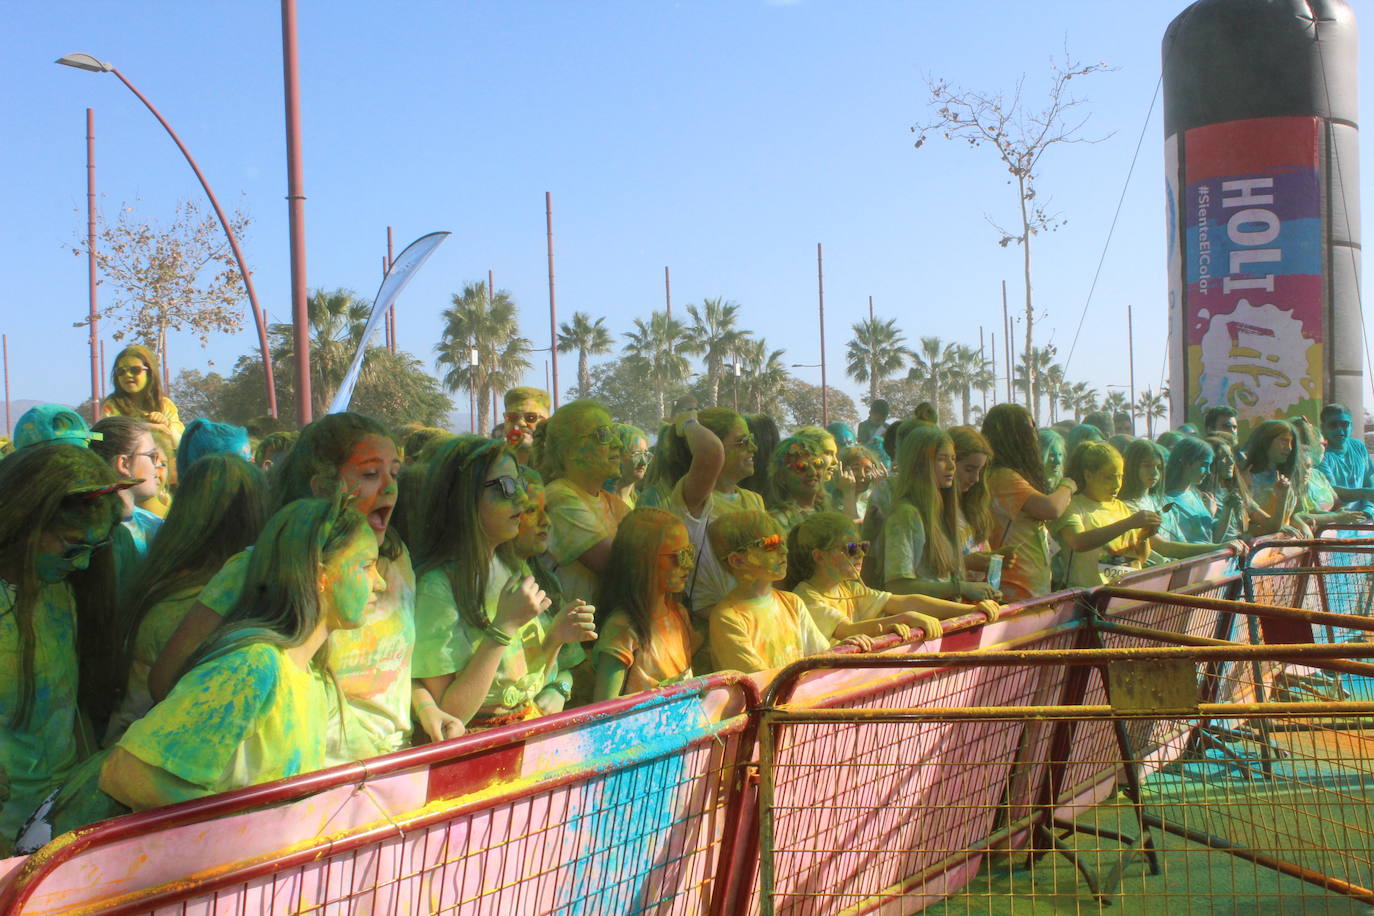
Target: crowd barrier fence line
<point x="661" y="802"/>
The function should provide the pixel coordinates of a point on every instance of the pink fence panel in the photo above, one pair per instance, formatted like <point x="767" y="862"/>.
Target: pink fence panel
<point x="626" y="807"/>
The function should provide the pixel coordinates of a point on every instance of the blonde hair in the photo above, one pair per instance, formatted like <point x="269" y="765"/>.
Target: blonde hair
<point x="1089" y="457"/>
<point x="736" y="530"/>
<point x="538" y="395"/>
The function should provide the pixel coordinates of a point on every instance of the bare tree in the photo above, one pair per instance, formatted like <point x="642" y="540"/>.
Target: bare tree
<point x="181" y="276"/>
<point x="1020" y="138"/>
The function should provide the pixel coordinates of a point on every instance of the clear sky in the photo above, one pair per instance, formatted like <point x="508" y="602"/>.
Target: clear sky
<point x="723" y="139"/>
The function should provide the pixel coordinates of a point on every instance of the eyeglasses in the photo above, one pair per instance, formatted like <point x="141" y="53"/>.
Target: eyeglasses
<point x="75" y="551"/>
<point x="687" y="556"/>
<point x="770" y="543"/>
<point x="856" y="549"/>
<point x="153" y="455"/>
<point x="640" y="457"/>
<point x="529" y="419"/>
<point x="130" y="370"/>
<point x="602" y="434"/>
<point x="508" y="485"/>
<point x="748" y="441"/>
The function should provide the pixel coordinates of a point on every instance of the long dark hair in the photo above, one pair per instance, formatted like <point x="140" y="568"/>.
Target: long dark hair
<point x="1133" y="459"/>
<point x="628" y="583"/>
<point x="1188" y="450"/>
<point x="280" y="602"/>
<point x="220" y="509"/>
<point x="677" y="457"/>
<point x="147" y="401"/>
<point x="448" y="533"/>
<point x="320" y="451"/>
<point x="58" y="485"/>
<point x="118" y="437"/>
<point x="1257" y="447"/>
<point x="1010" y="431"/>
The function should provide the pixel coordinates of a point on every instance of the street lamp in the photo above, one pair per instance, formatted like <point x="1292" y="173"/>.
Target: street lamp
<point x="94" y="65"/>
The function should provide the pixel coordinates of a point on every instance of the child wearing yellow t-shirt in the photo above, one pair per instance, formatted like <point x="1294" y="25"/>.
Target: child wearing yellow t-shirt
<point x="755" y="627"/>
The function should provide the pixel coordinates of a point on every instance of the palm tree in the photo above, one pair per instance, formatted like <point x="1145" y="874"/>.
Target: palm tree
<point x="588" y="338"/>
<point x="489" y="325"/>
<point x="337" y="319"/>
<point x="715" y="336"/>
<point x="1079" y="399"/>
<point x="964" y="370"/>
<point x="1030" y="379"/>
<point x="1153" y="407"/>
<point x="658" y="349"/>
<point x="1116" y="402"/>
<point x="763" y="375"/>
<point x="877" y="350"/>
<point x="931" y="364"/>
<point x="1053" y="380"/>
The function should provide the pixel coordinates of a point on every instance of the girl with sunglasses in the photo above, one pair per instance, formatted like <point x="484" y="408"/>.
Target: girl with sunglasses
<point x="58" y="598"/>
<point x="797" y="473"/>
<point x="634" y="463"/>
<point x="482" y="648"/>
<point x="825" y="561"/>
<point x="128" y="446"/>
<point x="356" y="455"/>
<point x="646" y="637"/>
<point x="580" y="451"/>
<point x="137" y="386"/>
<point x="756" y="627"/>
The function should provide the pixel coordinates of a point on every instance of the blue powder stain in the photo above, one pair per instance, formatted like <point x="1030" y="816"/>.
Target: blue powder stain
<point x="621" y="830"/>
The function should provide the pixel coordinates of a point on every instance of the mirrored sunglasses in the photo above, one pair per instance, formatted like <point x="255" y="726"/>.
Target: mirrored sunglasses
<point x="130" y="370"/>
<point x="529" y="419"/>
<point x="856" y="549"/>
<point x="508" y="487"/>
<point x="770" y="543"/>
<point x="687" y="556"/>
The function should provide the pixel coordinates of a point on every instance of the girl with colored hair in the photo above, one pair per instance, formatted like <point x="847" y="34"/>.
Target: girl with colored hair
<point x="1319" y="503"/>
<point x="796" y="477"/>
<point x="572" y="684"/>
<point x="1053" y="454"/>
<point x="920" y="549"/>
<point x="221" y="507"/>
<point x="634" y="463"/>
<point x="825" y="562"/>
<point x="1101" y="537"/>
<point x="579" y="451"/>
<point x="1022" y="500"/>
<point x="972" y="455"/>
<point x="1226" y="494"/>
<point x="137" y="393"/>
<point x="646" y="636"/>
<point x="1273" y="473"/>
<point x="482" y="649"/>
<point x="57" y="570"/>
<point x="1187" y="517"/>
<point x="356" y="455"/>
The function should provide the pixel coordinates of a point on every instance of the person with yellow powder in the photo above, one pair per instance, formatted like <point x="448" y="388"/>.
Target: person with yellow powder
<point x="825" y="559"/>
<point x="755" y="627"/>
<point x="646" y="637"/>
<point x="526" y="408"/>
<point x="138" y="393"/>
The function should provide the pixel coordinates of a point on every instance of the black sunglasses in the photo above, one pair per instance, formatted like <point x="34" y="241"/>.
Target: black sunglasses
<point x="509" y="486"/>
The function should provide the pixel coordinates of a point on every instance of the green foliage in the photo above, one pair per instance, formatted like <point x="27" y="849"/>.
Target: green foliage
<point x="588" y="338"/>
<point x="801" y="402"/>
<point x="620" y="385"/>
<point x="491" y="325"/>
<point x="877" y="351"/>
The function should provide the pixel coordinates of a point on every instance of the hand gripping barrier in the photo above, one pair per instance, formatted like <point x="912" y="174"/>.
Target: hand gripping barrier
<point x="1287" y="817"/>
<point x="631" y="805"/>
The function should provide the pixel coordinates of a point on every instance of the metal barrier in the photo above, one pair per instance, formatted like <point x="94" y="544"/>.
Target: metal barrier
<point x="632" y="805"/>
<point x="1290" y="817"/>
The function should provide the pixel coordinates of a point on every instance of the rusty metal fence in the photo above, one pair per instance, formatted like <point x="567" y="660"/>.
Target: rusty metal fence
<point x="1285" y="816"/>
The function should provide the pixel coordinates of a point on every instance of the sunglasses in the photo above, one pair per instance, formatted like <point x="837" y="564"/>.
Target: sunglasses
<point x="602" y="434"/>
<point x="529" y="419"/>
<point x="75" y="551"/>
<point x="748" y="441"/>
<point x="687" y="556"/>
<point x="130" y="370"/>
<point x="770" y="543"/>
<point x="855" y="549"/>
<point x="800" y="464"/>
<point x="508" y="485"/>
<point x="640" y="458"/>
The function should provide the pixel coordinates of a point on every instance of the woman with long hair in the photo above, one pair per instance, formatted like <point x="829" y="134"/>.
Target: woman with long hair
<point x="482" y="650"/>
<point x="796" y="480"/>
<point x="1022" y="501"/>
<point x="1142" y="475"/>
<point x="1225" y="492"/>
<point x="220" y="508"/>
<point x="128" y="445"/>
<point x="972" y="455"/>
<point x="1270" y="465"/>
<point x="137" y="393"/>
<point x="920" y="549"/>
<point x="57" y="570"/>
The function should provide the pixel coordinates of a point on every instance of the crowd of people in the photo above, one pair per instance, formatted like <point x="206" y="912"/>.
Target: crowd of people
<point x="188" y="611"/>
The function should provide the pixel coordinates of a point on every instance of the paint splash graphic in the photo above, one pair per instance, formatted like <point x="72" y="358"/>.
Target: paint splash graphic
<point x="1256" y="359"/>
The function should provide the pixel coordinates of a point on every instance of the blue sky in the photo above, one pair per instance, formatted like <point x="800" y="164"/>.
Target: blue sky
<point x="723" y="139"/>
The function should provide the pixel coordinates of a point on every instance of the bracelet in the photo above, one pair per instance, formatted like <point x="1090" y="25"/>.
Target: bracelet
<point x="497" y="635"/>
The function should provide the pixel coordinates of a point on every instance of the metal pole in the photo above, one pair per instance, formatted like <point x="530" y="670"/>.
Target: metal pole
<point x="982" y="360"/>
<point x="820" y="289"/>
<point x="992" y="345"/>
<point x="93" y="317"/>
<point x="295" y="208"/>
<point x="553" y="312"/>
<point x="870" y="309"/>
<point x="1130" y="345"/>
<point x="5" y="343"/>
<point x="1006" y="342"/>
<point x="391" y="312"/>
<point x="386" y="322"/>
<point x="229" y="234"/>
<point x="546" y="373"/>
<point x="667" y="292"/>
<point x="102" y="371"/>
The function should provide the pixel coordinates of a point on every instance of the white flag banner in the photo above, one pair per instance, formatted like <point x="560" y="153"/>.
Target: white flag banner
<point x="402" y="269"/>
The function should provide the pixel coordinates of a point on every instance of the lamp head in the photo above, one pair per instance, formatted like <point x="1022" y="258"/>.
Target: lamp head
<point x="84" y="62"/>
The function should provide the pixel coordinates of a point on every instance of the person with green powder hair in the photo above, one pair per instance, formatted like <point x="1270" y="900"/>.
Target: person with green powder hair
<point x="57" y="570"/>
<point x="137" y="385"/>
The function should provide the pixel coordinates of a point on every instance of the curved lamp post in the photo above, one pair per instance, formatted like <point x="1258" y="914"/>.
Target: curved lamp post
<point x="87" y="62"/>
